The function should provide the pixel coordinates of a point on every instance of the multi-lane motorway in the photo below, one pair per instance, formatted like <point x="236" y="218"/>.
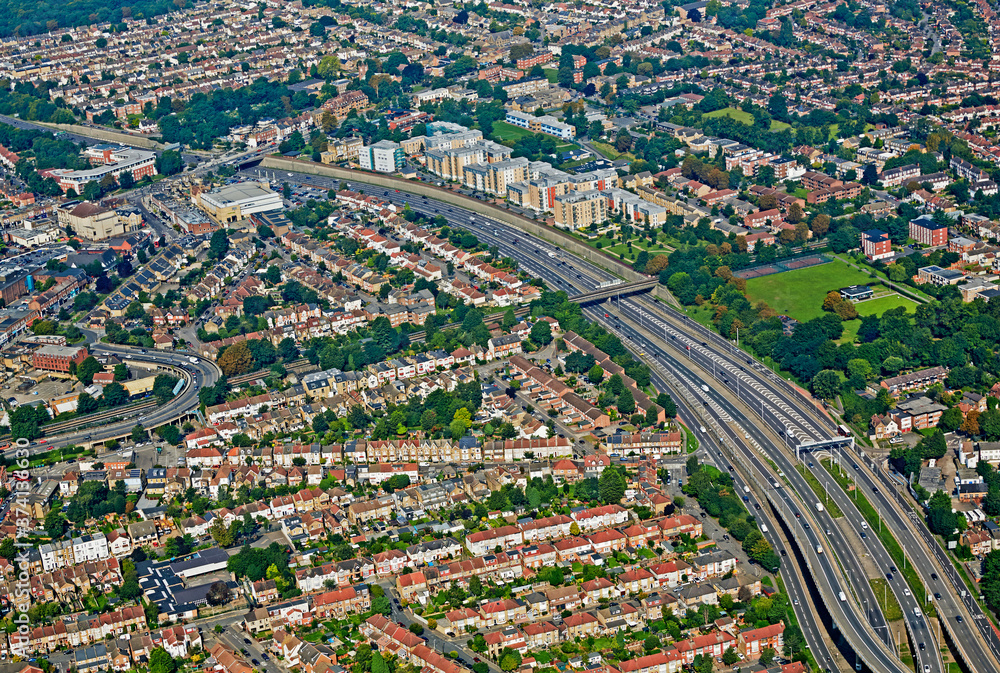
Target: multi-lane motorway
<point x="791" y="416"/>
<point x="575" y="276"/>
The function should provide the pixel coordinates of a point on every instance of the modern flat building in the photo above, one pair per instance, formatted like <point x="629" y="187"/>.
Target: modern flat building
<point x="545" y="124"/>
<point x="114" y="160"/>
<point x="494" y="177"/>
<point x="580" y="209"/>
<point x="937" y="276"/>
<point x="450" y="163"/>
<point x="384" y="156"/>
<point x="856" y="292"/>
<point x="236" y="202"/>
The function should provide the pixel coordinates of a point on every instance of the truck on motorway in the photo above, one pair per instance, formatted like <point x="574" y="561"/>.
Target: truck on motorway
<point x="819" y="507"/>
<point x="819" y="549"/>
<point x="705" y="388"/>
<point x="843" y="597"/>
<point x="193" y="360"/>
<point x="746" y="489"/>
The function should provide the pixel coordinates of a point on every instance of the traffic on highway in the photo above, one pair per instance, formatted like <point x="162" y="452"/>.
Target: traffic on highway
<point x="696" y="358"/>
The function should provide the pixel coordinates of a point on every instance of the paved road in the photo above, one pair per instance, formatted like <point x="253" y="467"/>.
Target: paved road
<point x="710" y="451"/>
<point x="931" y="561"/>
<point x="784" y="408"/>
<point x="78" y="137"/>
<point x="532" y="255"/>
<point x="239" y="640"/>
<point x="434" y="639"/>
<point x="811" y="425"/>
<point x="197" y="374"/>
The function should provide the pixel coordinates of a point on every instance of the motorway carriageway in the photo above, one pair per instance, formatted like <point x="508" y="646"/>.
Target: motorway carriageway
<point x="777" y="400"/>
<point x="528" y="251"/>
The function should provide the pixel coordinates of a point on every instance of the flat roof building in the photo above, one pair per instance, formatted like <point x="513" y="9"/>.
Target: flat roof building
<point x="236" y="202"/>
<point x="58" y="358"/>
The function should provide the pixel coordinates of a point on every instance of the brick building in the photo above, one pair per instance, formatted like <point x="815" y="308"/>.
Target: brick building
<point x="876" y="244"/>
<point x="58" y="358"/>
<point x="926" y="231"/>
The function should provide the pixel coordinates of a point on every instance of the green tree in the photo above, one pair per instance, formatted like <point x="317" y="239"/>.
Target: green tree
<point x="25" y="422"/>
<point x="509" y="659"/>
<point x="222" y="535"/>
<point x="730" y="657"/>
<point x="668" y="404"/>
<point x="378" y="663"/>
<point x="596" y="374"/>
<point x="767" y="656"/>
<point x="85" y="370"/>
<point x="611" y="486"/>
<point x="139" y="434"/>
<point x="218" y="245"/>
<point x="541" y="332"/>
<point x="169" y="163"/>
<point x="989" y="424"/>
<point x="55" y="524"/>
<point x="940" y="519"/>
<point x="626" y="403"/>
<point x="114" y="395"/>
<point x="86" y="404"/>
<point x="160" y="661"/>
<point x="951" y="420"/>
<point x="381" y="606"/>
<point x="163" y="387"/>
<point x="826" y="384"/>
<point x="860" y="367"/>
<point x="616" y="385"/>
<point x="702" y="662"/>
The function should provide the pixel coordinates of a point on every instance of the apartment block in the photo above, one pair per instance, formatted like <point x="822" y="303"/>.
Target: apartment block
<point x="58" y="358"/>
<point x="384" y="156"/>
<point x="494" y="178"/>
<point x="450" y="163"/>
<point x="545" y="124"/>
<point x="926" y="231"/>
<point x="580" y="209"/>
<point x="876" y="244"/>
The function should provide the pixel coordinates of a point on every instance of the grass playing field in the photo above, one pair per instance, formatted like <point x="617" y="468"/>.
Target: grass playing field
<point x="745" y="117"/>
<point x="882" y="304"/>
<point x="800" y="293"/>
<point x="503" y="131"/>
<point x="738" y="115"/>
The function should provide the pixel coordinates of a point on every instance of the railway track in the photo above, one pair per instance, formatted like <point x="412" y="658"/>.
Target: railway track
<point x="87" y="421"/>
<point x="422" y="334"/>
<point x="299" y="365"/>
